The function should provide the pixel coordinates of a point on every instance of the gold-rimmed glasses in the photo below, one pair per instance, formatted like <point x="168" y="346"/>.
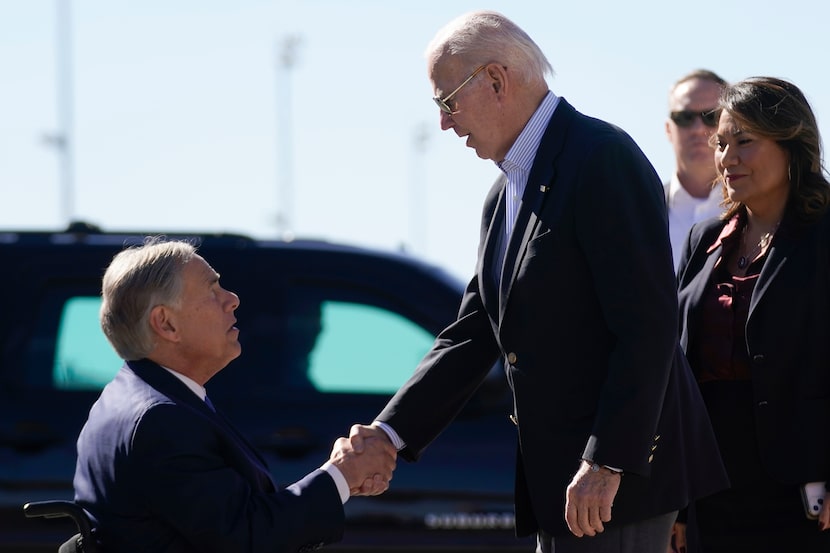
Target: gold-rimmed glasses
<point x="442" y="102"/>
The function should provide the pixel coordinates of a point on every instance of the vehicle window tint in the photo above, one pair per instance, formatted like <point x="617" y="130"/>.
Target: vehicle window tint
<point x="344" y="347"/>
<point x="365" y="349"/>
<point x="84" y="359"/>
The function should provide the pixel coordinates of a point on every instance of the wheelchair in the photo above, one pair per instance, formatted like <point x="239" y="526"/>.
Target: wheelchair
<point x="83" y="541"/>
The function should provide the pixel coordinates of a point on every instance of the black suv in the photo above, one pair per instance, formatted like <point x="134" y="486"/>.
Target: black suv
<point x="328" y="333"/>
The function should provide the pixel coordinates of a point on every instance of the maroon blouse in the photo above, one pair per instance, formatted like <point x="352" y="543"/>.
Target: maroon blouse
<point x="721" y="352"/>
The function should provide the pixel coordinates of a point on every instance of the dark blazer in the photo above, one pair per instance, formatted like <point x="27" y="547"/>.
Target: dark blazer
<point x="161" y="472"/>
<point x="585" y="322"/>
<point x="787" y="337"/>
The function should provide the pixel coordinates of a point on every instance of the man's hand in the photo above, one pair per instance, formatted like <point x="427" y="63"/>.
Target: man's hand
<point x="589" y="499"/>
<point x="824" y="514"/>
<point x="366" y="459"/>
<point x="359" y="434"/>
<point x="678" y="538"/>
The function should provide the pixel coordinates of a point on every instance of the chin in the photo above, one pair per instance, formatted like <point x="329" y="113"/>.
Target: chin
<point x="234" y="353"/>
<point x="483" y="155"/>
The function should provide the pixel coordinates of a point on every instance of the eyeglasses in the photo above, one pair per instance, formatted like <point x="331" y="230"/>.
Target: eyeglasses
<point x="687" y="118"/>
<point x="442" y="102"/>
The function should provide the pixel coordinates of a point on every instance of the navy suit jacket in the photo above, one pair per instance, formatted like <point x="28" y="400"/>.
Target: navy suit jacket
<point x="159" y="471"/>
<point x="585" y="320"/>
<point x="787" y="338"/>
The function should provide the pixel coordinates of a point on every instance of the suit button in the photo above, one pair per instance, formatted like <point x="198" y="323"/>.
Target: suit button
<point x="758" y="358"/>
<point x="511" y="358"/>
<point x="514" y="420"/>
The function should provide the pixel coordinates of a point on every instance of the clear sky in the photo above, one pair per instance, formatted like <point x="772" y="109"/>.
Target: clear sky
<point x="184" y="116"/>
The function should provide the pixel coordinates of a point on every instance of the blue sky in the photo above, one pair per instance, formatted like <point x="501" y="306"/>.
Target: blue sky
<point x="180" y="108"/>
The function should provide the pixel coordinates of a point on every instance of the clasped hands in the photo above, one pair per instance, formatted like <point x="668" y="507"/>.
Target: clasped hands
<point x="366" y="459"/>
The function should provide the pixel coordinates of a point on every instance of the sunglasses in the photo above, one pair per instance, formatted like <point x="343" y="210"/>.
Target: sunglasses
<point x="687" y="118"/>
<point x="442" y="102"/>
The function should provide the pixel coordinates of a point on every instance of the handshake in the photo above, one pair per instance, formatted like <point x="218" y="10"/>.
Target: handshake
<point x="366" y="459"/>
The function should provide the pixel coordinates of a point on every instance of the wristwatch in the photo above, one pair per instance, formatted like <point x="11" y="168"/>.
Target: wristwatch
<point x="596" y="466"/>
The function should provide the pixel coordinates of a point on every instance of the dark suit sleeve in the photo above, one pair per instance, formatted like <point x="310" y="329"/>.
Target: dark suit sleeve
<point x="452" y="370"/>
<point x="446" y="378"/>
<point x="621" y="227"/>
<point x="179" y="469"/>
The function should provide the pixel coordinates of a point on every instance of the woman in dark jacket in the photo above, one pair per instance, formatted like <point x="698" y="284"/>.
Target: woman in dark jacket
<point x="754" y="290"/>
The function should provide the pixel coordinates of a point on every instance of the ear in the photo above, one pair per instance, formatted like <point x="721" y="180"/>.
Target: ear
<point x="163" y="324"/>
<point x="668" y="130"/>
<point x="497" y="76"/>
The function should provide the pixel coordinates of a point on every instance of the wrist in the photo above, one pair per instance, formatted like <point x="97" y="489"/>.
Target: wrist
<point x="596" y="467"/>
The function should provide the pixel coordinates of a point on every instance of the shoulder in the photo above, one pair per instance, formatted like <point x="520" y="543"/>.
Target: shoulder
<point x="599" y="130"/>
<point x="131" y="399"/>
<point x="706" y="233"/>
<point x="702" y="236"/>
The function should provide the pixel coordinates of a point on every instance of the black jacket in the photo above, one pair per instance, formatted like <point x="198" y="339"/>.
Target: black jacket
<point x="585" y="321"/>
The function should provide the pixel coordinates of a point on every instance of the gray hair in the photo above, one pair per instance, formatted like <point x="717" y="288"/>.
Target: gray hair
<point x="481" y="37"/>
<point x="138" y="279"/>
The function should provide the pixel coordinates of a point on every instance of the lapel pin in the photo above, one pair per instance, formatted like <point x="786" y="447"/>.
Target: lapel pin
<point x="543" y="188"/>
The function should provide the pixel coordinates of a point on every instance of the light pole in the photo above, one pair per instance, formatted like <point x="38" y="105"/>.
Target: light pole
<point x="61" y="139"/>
<point x="287" y="59"/>
<point x="418" y="192"/>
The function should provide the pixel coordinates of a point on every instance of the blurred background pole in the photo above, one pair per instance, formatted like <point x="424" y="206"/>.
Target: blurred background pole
<point x="418" y="193"/>
<point x="63" y="137"/>
<point x="287" y="59"/>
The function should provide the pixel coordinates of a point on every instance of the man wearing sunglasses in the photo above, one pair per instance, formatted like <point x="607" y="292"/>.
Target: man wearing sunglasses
<point x="574" y="294"/>
<point x="693" y="117"/>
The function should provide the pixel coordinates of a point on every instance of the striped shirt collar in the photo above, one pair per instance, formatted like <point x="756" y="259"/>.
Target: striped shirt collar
<point x="522" y="153"/>
<point x="519" y="160"/>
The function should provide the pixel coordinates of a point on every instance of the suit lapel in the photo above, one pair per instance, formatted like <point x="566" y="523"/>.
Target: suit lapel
<point x="779" y="250"/>
<point x="489" y="257"/>
<point x="253" y="454"/>
<point x="175" y="389"/>
<point x="527" y="222"/>
<point x="697" y="289"/>
<point x="541" y="184"/>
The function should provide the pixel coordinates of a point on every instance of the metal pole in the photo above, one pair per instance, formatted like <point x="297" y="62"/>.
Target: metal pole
<point x="285" y="158"/>
<point x="63" y="140"/>
<point x="418" y="192"/>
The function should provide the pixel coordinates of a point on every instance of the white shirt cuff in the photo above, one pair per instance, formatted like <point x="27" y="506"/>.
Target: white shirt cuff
<point x="393" y="436"/>
<point x="339" y="481"/>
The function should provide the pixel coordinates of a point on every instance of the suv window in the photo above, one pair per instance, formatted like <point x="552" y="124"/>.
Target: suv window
<point x="84" y="359"/>
<point x="355" y="347"/>
<point x="366" y="349"/>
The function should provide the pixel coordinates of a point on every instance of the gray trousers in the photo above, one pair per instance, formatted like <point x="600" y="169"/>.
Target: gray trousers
<point x="647" y="536"/>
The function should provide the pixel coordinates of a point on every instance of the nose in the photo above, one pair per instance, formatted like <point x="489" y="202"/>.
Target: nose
<point x="233" y="300"/>
<point x="726" y="157"/>
<point x="446" y="120"/>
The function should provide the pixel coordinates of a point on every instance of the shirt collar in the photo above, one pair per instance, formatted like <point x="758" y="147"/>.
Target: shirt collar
<point x="679" y="196"/>
<point x="728" y="233"/>
<point x="676" y="190"/>
<point x="196" y="388"/>
<point x="523" y="151"/>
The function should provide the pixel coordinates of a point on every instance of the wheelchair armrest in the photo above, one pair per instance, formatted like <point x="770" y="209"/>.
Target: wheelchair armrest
<point x="58" y="508"/>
